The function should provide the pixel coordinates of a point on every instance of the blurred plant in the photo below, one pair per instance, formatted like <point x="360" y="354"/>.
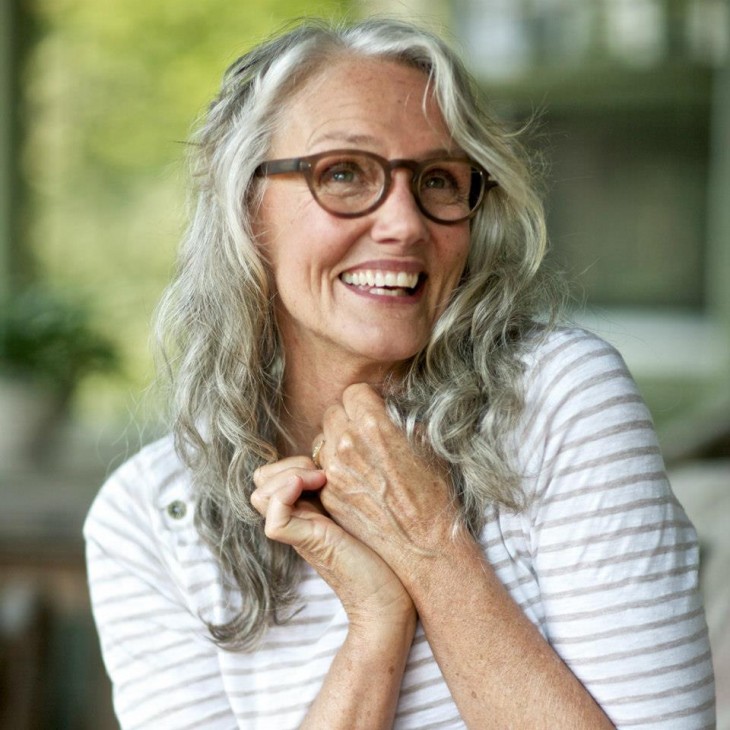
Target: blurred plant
<point x="49" y="339"/>
<point x="110" y="90"/>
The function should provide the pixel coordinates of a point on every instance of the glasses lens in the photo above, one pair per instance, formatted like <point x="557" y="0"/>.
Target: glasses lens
<point x="449" y="190"/>
<point x="347" y="183"/>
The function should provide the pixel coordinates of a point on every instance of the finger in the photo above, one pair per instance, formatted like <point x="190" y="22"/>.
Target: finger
<point x="366" y="408"/>
<point x="361" y="398"/>
<point x="312" y="479"/>
<point x="306" y="480"/>
<point x="291" y="521"/>
<point x="279" y="509"/>
<point x="334" y="415"/>
<point x="266" y="472"/>
<point x="335" y="425"/>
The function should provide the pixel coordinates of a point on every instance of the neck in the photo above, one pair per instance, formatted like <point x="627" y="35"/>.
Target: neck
<point x="311" y="387"/>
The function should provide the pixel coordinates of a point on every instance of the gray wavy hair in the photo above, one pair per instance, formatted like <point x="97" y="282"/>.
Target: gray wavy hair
<point x="461" y="394"/>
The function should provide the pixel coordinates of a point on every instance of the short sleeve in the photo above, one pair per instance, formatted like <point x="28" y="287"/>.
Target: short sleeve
<point x="163" y="665"/>
<point x="615" y="555"/>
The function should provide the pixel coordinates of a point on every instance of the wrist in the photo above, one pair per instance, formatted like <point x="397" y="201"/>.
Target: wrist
<point x="385" y="621"/>
<point x="385" y="606"/>
<point x="456" y="562"/>
<point x="378" y="635"/>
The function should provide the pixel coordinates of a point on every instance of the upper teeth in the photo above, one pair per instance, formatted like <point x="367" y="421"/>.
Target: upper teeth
<point x="381" y="278"/>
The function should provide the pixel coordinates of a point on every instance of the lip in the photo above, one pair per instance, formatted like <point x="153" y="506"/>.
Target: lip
<point x="375" y="293"/>
<point x="385" y="299"/>
<point x="396" y="265"/>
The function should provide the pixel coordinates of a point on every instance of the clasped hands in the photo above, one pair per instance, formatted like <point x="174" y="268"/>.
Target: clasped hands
<point x="372" y="508"/>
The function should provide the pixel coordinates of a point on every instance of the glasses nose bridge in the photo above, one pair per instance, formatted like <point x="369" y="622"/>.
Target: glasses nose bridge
<point x="411" y="165"/>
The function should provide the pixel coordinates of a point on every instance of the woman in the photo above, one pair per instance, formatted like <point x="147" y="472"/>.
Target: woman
<point x="395" y="496"/>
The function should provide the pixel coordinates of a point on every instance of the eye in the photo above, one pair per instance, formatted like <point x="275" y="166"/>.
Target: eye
<point x="348" y="175"/>
<point x="438" y="179"/>
<point x="340" y="172"/>
<point x="446" y="181"/>
<point x="343" y="171"/>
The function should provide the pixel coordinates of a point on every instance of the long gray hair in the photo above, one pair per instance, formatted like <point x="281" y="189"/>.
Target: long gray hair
<point x="216" y="324"/>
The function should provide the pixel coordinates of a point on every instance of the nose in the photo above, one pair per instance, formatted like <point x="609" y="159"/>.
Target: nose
<point x="398" y="218"/>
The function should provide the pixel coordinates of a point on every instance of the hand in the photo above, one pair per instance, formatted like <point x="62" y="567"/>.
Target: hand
<point x="368" y="589"/>
<point x="378" y="488"/>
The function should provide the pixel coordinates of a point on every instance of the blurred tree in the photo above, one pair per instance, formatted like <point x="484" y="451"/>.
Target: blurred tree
<point x="112" y="91"/>
<point x="16" y="37"/>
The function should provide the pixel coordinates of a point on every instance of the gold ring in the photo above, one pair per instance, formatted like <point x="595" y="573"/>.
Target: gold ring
<point x="315" y="453"/>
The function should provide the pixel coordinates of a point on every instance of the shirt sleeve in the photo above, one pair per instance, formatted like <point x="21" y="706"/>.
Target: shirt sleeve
<point x="162" y="663"/>
<point x="615" y="555"/>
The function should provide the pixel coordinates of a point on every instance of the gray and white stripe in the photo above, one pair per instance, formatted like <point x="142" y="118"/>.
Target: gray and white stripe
<point x="603" y="561"/>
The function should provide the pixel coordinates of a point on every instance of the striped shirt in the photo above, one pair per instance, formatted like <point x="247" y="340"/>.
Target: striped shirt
<point x="604" y="562"/>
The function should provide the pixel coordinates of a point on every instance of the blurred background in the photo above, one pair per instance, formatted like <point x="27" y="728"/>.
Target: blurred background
<point x="630" y="102"/>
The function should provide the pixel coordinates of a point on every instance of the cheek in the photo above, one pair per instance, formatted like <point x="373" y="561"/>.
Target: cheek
<point x="281" y="212"/>
<point x="456" y="257"/>
<point x="301" y="258"/>
<point x="278" y="241"/>
<point x="296" y="231"/>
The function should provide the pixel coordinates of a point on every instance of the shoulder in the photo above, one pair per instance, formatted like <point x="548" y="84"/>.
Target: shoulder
<point x="144" y="494"/>
<point x="584" y="420"/>
<point x="555" y="359"/>
<point x="141" y="537"/>
<point x="572" y="371"/>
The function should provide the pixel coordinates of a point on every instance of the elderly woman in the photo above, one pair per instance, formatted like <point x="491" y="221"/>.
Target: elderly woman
<point x="396" y="494"/>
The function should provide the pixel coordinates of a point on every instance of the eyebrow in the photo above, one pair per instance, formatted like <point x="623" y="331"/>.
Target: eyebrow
<point x="348" y="138"/>
<point x="343" y="138"/>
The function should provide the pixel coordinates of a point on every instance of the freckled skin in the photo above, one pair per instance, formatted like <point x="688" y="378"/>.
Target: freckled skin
<point x="385" y="534"/>
<point x="376" y="106"/>
<point x="377" y="487"/>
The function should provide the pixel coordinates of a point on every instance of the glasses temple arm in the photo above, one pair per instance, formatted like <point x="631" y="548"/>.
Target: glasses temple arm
<point x="279" y="167"/>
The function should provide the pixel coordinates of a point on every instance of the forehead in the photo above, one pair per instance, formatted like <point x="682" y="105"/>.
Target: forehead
<point x="362" y="102"/>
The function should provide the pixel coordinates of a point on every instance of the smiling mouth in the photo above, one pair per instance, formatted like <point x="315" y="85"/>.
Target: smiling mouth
<point x="385" y="283"/>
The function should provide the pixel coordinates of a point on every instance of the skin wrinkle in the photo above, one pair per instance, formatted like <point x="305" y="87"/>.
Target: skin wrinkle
<point x="375" y="483"/>
<point x="384" y="503"/>
<point x="253" y="109"/>
<point x="379" y="496"/>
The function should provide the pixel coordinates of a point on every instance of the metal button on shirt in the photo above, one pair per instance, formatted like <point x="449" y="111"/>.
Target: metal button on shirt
<point x="177" y="509"/>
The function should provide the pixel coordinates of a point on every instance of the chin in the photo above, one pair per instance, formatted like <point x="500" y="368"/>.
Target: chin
<point x="391" y="355"/>
<point x="371" y="344"/>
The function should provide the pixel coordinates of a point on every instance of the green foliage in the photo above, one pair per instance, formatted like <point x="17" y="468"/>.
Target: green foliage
<point x="50" y="339"/>
<point x="137" y="72"/>
<point x="111" y="93"/>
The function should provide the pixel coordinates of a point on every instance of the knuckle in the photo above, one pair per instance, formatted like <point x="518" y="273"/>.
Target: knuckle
<point x="362" y="393"/>
<point x="331" y="415"/>
<point x="370" y="422"/>
<point x="270" y="531"/>
<point x="330" y="497"/>
<point x="357" y="389"/>
<point x="345" y="443"/>
<point x="335" y="470"/>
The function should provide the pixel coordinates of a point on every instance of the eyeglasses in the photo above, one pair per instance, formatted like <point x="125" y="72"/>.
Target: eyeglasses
<point x="352" y="183"/>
